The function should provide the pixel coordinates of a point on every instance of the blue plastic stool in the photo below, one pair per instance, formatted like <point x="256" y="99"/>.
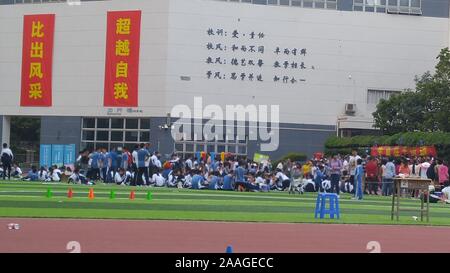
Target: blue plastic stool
<point x="229" y="249"/>
<point x="321" y="205"/>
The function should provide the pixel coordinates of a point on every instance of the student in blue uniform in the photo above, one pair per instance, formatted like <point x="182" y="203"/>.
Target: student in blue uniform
<point x="318" y="179"/>
<point x="95" y="171"/>
<point x="359" y="173"/>
<point x="214" y="181"/>
<point x="103" y="164"/>
<point x="142" y="156"/>
<point x="197" y="181"/>
<point x="240" y="176"/>
<point x="228" y="182"/>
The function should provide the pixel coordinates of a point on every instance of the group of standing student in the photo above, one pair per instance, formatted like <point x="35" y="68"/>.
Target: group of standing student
<point x="383" y="171"/>
<point x="371" y="175"/>
<point x="119" y="165"/>
<point x="146" y="166"/>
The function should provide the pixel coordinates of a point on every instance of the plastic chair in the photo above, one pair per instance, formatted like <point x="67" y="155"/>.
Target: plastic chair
<point x="321" y="205"/>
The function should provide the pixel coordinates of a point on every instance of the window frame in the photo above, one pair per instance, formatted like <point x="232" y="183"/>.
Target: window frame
<point x="110" y="142"/>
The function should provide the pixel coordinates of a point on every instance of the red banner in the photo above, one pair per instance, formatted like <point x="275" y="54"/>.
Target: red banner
<point x="397" y="151"/>
<point x="37" y="58"/>
<point x="122" y="58"/>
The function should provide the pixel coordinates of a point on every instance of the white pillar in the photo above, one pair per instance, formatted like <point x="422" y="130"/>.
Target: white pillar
<point x="6" y="129"/>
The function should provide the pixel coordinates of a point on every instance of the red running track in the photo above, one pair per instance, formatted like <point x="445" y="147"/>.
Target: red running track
<point x="52" y="235"/>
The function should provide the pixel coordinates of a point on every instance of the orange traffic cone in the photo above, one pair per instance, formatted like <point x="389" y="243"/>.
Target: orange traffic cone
<point x="132" y="195"/>
<point x="70" y="193"/>
<point x="91" y="193"/>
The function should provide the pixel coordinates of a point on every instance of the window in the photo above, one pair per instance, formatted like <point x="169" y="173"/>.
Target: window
<point x="88" y="135"/>
<point x="131" y="123"/>
<point x="102" y="136"/>
<point x="412" y="7"/>
<point x="189" y="147"/>
<point x="375" y="96"/>
<point x="317" y="4"/>
<point x="390" y="6"/>
<point x="116" y="123"/>
<point x="369" y="5"/>
<point x="117" y="136"/>
<point x="111" y="133"/>
<point x="89" y="123"/>
<point x="103" y="123"/>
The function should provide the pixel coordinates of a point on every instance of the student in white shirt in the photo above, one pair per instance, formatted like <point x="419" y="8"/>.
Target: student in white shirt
<point x="280" y="166"/>
<point x="187" y="180"/>
<point x="17" y="172"/>
<point x="158" y="179"/>
<point x="352" y="162"/>
<point x="75" y="178"/>
<point x="172" y="180"/>
<point x="147" y="162"/>
<point x="446" y="191"/>
<point x="424" y="168"/>
<point x="6" y="158"/>
<point x="155" y="160"/>
<point x="260" y="180"/>
<point x="283" y="179"/>
<point x="79" y="178"/>
<point x="189" y="163"/>
<point x="7" y="151"/>
<point x="122" y="177"/>
<point x="345" y="166"/>
<point x="55" y="175"/>
<point x="118" y="179"/>
<point x="42" y="174"/>
<point x="134" y="154"/>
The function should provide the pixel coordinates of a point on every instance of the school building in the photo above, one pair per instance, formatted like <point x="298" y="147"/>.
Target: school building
<point x="110" y="73"/>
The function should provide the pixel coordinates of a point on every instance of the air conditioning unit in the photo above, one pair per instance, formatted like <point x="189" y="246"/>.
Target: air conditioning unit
<point x="350" y="108"/>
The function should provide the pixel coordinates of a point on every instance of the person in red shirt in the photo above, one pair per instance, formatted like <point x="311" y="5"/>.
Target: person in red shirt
<point x="443" y="173"/>
<point x="404" y="168"/>
<point x="372" y="172"/>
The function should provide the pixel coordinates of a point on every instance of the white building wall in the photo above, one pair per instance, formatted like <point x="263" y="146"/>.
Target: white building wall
<point x="379" y="51"/>
<point x="79" y="56"/>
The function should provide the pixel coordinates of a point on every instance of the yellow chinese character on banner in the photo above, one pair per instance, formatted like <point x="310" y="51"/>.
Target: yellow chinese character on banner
<point x="36" y="30"/>
<point x="123" y="48"/>
<point x="120" y="91"/>
<point x="37" y="50"/>
<point x="36" y="70"/>
<point x="121" y="70"/>
<point x="123" y="26"/>
<point x="35" y="91"/>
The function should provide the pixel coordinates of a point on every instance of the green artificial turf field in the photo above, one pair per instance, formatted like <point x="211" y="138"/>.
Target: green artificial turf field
<point x="28" y="199"/>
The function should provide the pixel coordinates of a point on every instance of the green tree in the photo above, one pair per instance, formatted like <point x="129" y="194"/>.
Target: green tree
<point x="25" y="134"/>
<point x="427" y="109"/>
<point x="25" y="129"/>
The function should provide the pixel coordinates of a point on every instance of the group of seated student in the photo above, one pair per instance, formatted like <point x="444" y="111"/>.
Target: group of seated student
<point x="16" y="172"/>
<point x="141" y="167"/>
<point x="52" y="174"/>
<point x="78" y="177"/>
